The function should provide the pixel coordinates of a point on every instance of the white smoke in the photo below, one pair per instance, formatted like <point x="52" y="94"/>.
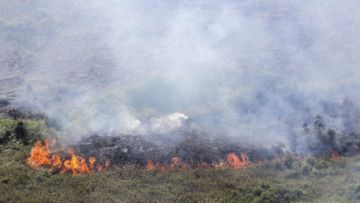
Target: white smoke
<point x="168" y="123"/>
<point x="251" y="69"/>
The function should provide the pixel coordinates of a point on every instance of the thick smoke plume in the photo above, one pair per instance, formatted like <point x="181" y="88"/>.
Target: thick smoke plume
<point x="249" y="70"/>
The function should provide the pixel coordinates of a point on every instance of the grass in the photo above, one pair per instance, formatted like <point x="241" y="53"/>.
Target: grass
<point x="290" y="179"/>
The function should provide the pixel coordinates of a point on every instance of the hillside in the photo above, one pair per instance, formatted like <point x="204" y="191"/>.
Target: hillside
<point x="287" y="179"/>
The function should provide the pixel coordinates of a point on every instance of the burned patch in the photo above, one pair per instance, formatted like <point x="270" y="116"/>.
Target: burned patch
<point x="193" y="149"/>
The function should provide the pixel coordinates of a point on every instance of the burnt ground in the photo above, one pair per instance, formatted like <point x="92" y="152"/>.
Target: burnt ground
<point x="193" y="148"/>
<point x="291" y="179"/>
<point x="288" y="178"/>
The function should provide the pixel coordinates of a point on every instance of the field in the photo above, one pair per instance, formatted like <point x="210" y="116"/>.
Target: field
<point x="179" y="101"/>
<point x="289" y="179"/>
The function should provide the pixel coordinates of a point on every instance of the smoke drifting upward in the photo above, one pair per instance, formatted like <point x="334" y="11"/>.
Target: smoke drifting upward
<point x="253" y="70"/>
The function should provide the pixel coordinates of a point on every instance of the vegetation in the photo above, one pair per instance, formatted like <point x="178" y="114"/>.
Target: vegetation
<point x="289" y="179"/>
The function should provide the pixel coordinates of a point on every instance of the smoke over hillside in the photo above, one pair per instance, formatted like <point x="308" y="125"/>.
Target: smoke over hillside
<point x="255" y="71"/>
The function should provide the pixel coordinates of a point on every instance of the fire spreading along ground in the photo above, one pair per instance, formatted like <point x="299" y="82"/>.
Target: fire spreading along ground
<point x="45" y="155"/>
<point x="42" y="156"/>
<point x="232" y="161"/>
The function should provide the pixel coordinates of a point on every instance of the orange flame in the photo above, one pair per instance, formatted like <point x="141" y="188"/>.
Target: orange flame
<point x="92" y="161"/>
<point x="335" y="155"/>
<point x="107" y="163"/>
<point x="150" y="166"/>
<point x="40" y="156"/>
<point x="232" y="161"/>
<point x="178" y="163"/>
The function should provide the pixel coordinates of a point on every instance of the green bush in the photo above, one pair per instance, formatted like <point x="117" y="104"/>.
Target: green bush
<point x="8" y="130"/>
<point x="355" y="192"/>
<point x="278" y="195"/>
<point x="283" y="180"/>
<point x="321" y="164"/>
<point x="20" y="131"/>
<point x="306" y="169"/>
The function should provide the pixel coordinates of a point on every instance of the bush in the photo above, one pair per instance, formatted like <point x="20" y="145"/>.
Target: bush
<point x="355" y="192"/>
<point x="4" y="101"/>
<point x="7" y="130"/>
<point x="22" y="131"/>
<point x="321" y="164"/>
<point x="278" y="195"/>
<point x="306" y="169"/>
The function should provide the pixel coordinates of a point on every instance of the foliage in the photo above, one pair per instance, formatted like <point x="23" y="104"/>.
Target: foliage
<point x="21" y="131"/>
<point x="287" y="179"/>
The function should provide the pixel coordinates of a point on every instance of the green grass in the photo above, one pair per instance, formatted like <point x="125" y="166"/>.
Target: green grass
<point x="262" y="183"/>
<point x="287" y="180"/>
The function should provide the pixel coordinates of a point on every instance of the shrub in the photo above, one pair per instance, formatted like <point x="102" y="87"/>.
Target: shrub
<point x="278" y="195"/>
<point x="355" y="192"/>
<point x="7" y="130"/>
<point x="21" y="131"/>
<point x="306" y="169"/>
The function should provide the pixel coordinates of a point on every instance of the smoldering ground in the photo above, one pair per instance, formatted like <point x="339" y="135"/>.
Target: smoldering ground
<point x="249" y="71"/>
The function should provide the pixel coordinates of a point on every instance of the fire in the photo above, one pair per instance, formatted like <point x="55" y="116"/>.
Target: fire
<point x="335" y="155"/>
<point x="235" y="162"/>
<point x="92" y="161"/>
<point x="150" y="166"/>
<point x="41" y="156"/>
<point x="232" y="161"/>
<point x="178" y="163"/>
<point x="56" y="161"/>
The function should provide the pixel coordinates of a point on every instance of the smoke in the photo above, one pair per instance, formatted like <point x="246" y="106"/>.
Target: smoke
<point x="252" y="70"/>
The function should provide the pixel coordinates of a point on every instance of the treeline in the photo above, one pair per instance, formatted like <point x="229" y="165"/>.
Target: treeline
<point x="319" y="138"/>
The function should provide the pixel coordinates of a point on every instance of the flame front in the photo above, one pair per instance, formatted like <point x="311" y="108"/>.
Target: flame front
<point x="335" y="155"/>
<point x="235" y="162"/>
<point x="232" y="161"/>
<point x="41" y="156"/>
<point x="150" y="166"/>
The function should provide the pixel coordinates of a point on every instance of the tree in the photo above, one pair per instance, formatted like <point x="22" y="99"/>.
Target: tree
<point x="319" y="126"/>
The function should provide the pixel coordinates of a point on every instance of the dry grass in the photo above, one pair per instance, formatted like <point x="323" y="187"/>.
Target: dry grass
<point x="288" y="180"/>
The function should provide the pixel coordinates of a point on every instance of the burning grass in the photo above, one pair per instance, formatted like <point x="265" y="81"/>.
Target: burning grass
<point x="41" y="156"/>
<point x="271" y="181"/>
<point x="331" y="178"/>
<point x="232" y="161"/>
